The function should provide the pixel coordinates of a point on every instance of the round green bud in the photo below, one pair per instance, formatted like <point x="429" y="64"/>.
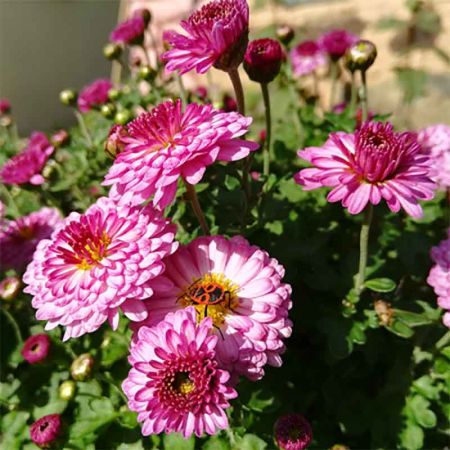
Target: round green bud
<point x="112" y="51"/>
<point x="81" y="367"/>
<point x="108" y="110"/>
<point x="113" y="94"/>
<point x="67" y="390"/>
<point x="360" y="56"/>
<point x="146" y="73"/>
<point x="122" y="117"/>
<point x="68" y="97"/>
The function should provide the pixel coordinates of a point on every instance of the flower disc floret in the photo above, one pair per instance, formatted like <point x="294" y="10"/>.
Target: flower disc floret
<point x="167" y="144"/>
<point x="95" y="263"/>
<point x="175" y="383"/>
<point x="372" y="163"/>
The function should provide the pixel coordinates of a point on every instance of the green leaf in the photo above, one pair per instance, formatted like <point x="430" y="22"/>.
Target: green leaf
<point x="411" y="319"/>
<point x="425" y="387"/>
<point x="216" y="443"/>
<point x="380" y="284"/>
<point x="250" y="442"/>
<point x="400" y="329"/>
<point x="176" y="441"/>
<point x="114" y="347"/>
<point x="14" y="429"/>
<point x="412" y="437"/>
<point x="421" y="413"/>
<point x="261" y="401"/>
<point x="412" y="82"/>
<point x="357" y="333"/>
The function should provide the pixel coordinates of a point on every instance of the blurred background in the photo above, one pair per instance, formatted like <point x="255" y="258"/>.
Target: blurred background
<point x="47" y="46"/>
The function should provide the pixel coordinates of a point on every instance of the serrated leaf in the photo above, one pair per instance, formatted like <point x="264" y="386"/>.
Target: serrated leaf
<point x="216" y="443"/>
<point x="380" y="284"/>
<point x="250" y="442"/>
<point x="176" y="441"/>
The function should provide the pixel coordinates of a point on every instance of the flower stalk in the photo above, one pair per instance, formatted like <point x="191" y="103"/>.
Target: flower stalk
<point x="363" y="249"/>
<point x="266" y="154"/>
<point x="363" y="96"/>
<point x="193" y="198"/>
<point x="239" y="92"/>
<point x="84" y="129"/>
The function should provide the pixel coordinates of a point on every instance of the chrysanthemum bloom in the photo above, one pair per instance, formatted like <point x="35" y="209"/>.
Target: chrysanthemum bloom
<point x="306" y="57"/>
<point x="46" y="430"/>
<point x="9" y="288"/>
<point x="175" y="383"/>
<point x="26" y="166"/>
<point x="372" y="163"/>
<point x="336" y="43"/>
<point x="19" y="238"/>
<point x="129" y="32"/>
<point x="435" y="140"/>
<point x="97" y="262"/>
<point x="439" y="277"/>
<point x="217" y="35"/>
<point x="240" y="287"/>
<point x="166" y="144"/>
<point x="36" y="348"/>
<point x="293" y="432"/>
<point x="262" y="60"/>
<point x="5" y="106"/>
<point x="94" y="95"/>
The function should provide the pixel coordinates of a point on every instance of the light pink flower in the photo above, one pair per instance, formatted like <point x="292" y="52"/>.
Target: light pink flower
<point x="94" y="94"/>
<point x="306" y="57"/>
<point x="372" y="163"/>
<point x="129" y="32"/>
<point x="95" y="263"/>
<point x="435" y="140"/>
<point x="174" y="383"/>
<point x="217" y="35"/>
<point x="439" y="277"/>
<point x="166" y="144"/>
<point x="240" y="287"/>
<point x="26" y="166"/>
<point x="19" y="238"/>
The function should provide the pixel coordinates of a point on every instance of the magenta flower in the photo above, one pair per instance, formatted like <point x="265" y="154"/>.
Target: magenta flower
<point x="174" y="383"/>
<point x="217" y="35"/>
<point x="129" y="32"/>
<point x="46" y="430"/>
<point x="262" y="60"/>
<point x="94" y="95"/>
<point x="26" y="166"/>
<point x="5" y="106"/>
<point x="372" y="163"/>
<point x="229" y="103"/>
<point x="19" y="238"/>
<point x="306" y="57"/>
<point x="240" y="287"/>
<point x="97" y="262"/>
<point x="439" y="277"/>
<point x="435" y="141"/>
<point x="166" y="144"/>
<point x="36" y="348"/>
<point x="9" y="288"/>
<point x="336" y="42"/>
<point x="293" y="432"/>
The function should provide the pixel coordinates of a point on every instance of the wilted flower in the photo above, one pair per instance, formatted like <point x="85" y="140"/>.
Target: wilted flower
<point x="9" y="288"/>
<point x="19" y="238"/>
<point x="240" y="288"/>
<point x="26" y="166"/>
<point x="372" y="163"/>
<point x="46" y="430"/>
<point x="306" y="57"/>
<point x="94" y="95"/>
<point x="435" y="141"/>
<point x="439" y="277"/>
<point x="5" y="106"/>
<point x="293" y="432"/>
<point x="262" y="60"/>
<point x="95" y="263"/>
<point x="336" y="42"/>
<point x="217" y="35"/>
<point x="35" y="349"/>
<point x="166" y="144"/>
<point x="129" y="32"/>
<point x="175" y="383"/>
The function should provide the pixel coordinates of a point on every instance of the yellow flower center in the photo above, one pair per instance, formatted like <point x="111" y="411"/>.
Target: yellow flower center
<point x="93" y="252"/>
<point x="183" y="384"/>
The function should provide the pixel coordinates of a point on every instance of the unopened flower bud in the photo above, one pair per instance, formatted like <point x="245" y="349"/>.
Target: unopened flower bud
<point x="285" y="34"/>
<point x="229" y="104"/>
<point x="5" y="106"/>
<point x="292" y="431"/>
<point x="67" y="390"/>
<point x="5" y="121"/>
<point x="68" y="97"/>
<point x="360" y="56"/>
<point x="36" y="348"/>
<point x="81" y="367"/>
<point x="145" y="14"/>
<point x="339" y="447"/>
<point x="146" y="73"/>
<point x="122" y="117"/>
<point x="112" y="51"/>
<point x="49" y="169"/>
<point x="9" y="288"/>
<point x="108" y="110"/>
<point x="46" y="430"/>
<point x="60" y="138"/>
<point x="114" y="144"/>
<point x="113" y="94"/>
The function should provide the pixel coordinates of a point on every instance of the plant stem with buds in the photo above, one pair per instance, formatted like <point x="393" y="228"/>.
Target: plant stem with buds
<point x="84" y="129"/>
<point x="363" y="248"/>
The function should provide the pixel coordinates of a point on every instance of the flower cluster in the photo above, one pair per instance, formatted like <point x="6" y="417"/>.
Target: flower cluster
<point x="94" y="95"/>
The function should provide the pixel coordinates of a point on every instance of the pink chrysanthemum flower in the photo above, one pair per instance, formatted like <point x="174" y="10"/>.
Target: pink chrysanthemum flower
<point x="240" y="287"/>
<point x="35" y="349"/>
<point x="439" y="277"/>
<point x="175" y="383"/>
<point x="19" y="238"/>
<point x="372" y="163"/>
<point x="166" y="144"/>
<point x="306" y="57"/>
<point x="46" y="430"/>
<point x="435" y="140"/>
<point x="336" y="42"/>
<point x="129" y="32"/>
<point x="293" y="432"/>
<point x="94" y="94"/>
<point x="95" y="263"/>
<point x="217" y="35"/>
<point x="26" y="166"/>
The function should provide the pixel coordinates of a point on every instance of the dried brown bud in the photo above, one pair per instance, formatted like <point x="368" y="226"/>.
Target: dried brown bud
<point x="384" y="312"/>
<point x="360" y="56"/>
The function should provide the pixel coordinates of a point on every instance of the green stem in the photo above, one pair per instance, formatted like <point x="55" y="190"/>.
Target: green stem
<point x="294" y="97"/>
<point x="354" y="95"/>
<point x="266" y="155"/>
<point x="116" y="73"/>
<point x="14" y="324"/>
<point x="443" y="341"/>
<point x="84" y="129"/>
<point x="182" y="90"/>
<point x="363" y="96"/>
<point x="10" y="200"/>
<point x="239" y="92"/>
<point x="146" y="58"/>
<point x="334" y="78"/>
<point x="363" y="248"/>
<point x="192" y="197"/>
